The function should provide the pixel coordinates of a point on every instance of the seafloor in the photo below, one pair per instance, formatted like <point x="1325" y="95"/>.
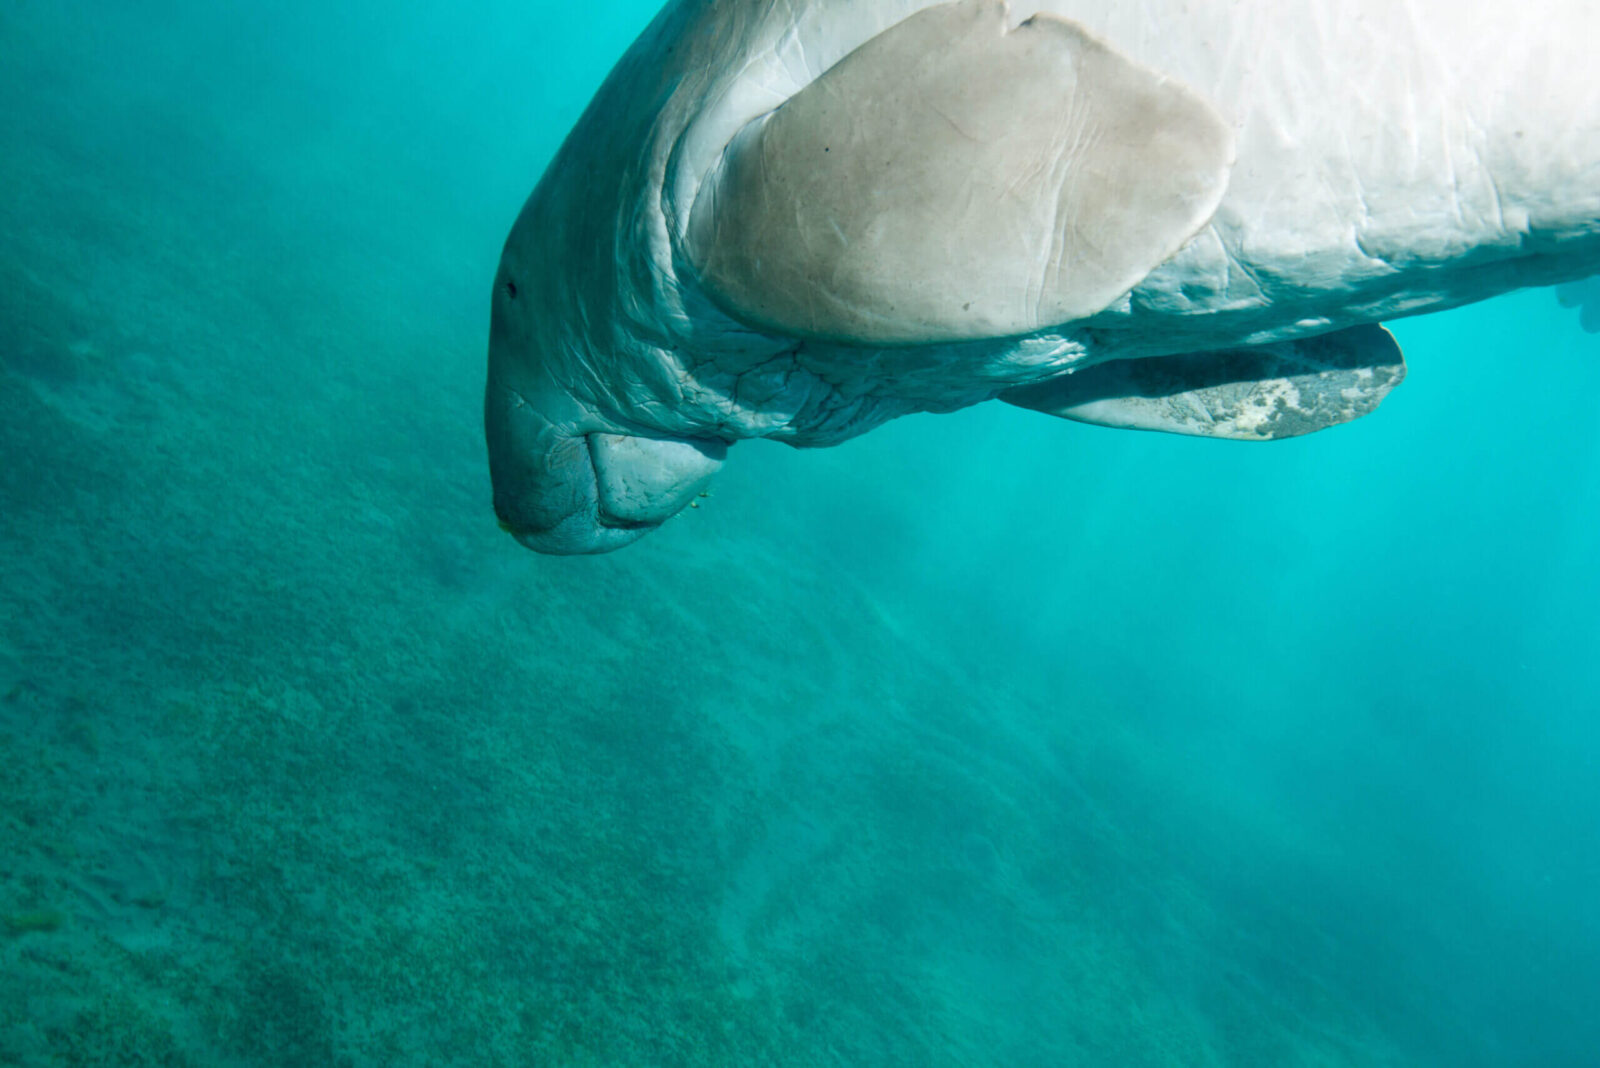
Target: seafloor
<point x="884" y="756"/>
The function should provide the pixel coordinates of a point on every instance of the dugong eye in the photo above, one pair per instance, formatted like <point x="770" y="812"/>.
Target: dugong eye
<point x="511" y="289"/>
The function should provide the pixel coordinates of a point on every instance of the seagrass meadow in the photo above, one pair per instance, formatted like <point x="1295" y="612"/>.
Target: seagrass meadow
<point x="986" y="739"/>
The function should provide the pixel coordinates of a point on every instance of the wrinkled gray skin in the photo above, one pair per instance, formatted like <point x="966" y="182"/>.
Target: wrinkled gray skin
<point x="689" y="272"/>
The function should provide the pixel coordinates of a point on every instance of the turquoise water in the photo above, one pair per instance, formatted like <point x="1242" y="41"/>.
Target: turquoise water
<point x="986" y="739"/>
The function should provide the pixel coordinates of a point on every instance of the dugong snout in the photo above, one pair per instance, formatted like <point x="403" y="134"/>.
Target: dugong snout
<point x="557" y="490"/>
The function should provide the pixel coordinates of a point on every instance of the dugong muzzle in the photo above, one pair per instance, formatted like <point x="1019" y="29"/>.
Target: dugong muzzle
<point x="561" y="492"/>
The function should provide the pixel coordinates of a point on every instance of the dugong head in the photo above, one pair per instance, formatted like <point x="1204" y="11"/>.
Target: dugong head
<point x="570" y="473"/>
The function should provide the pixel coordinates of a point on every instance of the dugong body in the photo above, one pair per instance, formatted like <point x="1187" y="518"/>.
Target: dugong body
<point x="797" y="221"/>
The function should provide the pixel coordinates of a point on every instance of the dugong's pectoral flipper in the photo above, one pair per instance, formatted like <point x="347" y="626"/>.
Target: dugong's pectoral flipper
<point x="951" y="180"/>
<point x="1258" y="393"/>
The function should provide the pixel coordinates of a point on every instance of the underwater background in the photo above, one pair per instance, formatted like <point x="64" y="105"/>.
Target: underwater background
<point x="985" y="739"/>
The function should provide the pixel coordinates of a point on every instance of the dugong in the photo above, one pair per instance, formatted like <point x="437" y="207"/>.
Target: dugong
<point x="799" y="220"/>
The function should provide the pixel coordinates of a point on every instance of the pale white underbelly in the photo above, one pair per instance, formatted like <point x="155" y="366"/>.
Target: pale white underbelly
<point x="1393" y="156"/>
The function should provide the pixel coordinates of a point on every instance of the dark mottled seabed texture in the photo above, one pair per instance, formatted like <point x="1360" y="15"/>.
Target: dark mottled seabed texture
<point x="987" y="739"/>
